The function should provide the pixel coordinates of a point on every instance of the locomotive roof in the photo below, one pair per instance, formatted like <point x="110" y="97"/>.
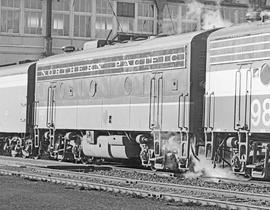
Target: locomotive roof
<point x="157" y="43"/>
<point x="240" y="30"/>
<point x="15" y="69"/>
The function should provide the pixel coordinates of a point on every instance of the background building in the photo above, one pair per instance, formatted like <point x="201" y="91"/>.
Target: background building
<point x="23" y="31"/>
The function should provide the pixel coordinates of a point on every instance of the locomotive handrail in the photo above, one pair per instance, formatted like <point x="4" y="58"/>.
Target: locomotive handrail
<point x="205" y="105"/>
<point x="184" y="121"/>
<point x="48" y="104"/>
<point x="34" y="112"/>
<point x="28" y="114"/>
<point x="179" y="110"/>
<point x="160" y="101"/>
<point x="150" y="107"/>
<point x="212" y="110"/>
<point x="53" y="106"/>
<point x="237" y="99"/>
<point x="246" y="125"/>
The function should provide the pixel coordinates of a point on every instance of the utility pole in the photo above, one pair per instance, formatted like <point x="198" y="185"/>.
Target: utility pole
<point x="160" y="9"/>
<point x="48" y="38"/>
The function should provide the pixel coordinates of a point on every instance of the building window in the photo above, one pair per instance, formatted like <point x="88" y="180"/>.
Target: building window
<point x="189" y="21"/>
<point x="10" y="3"/>
<point x="241" y="15"/>
<point x="83" y="5"/>
<point x="125" y="9"/>
<point x="146" y="26"/>
<point x="126" y="16"/>
<point x="82" y="18"/>
<point x="233" y="15"/>
<point x="104" y="18"/>
<point x="10" y="16"/>
<point x="103" y="26"/>
<point x="104" y="7"/>
<point x="125" y="24"/>
<point x="145" y="18"/>
<point x="60" y="18"/>
<point x="82" y="26"/>
<point x="33" y="4"/>
<point x="32" y="17"/>
<point x="170" y="16"/>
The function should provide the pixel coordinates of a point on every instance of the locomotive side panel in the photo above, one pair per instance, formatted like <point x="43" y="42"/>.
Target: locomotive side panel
<point x="260" y="97"/>
<point x="175" y="88"/>
<point x="139" y="101"/>
<point x="90" y="104"/>
<point x="238" y="81"/>
<point x="67" y="93"/>
<point x="13" y="93"/>
<point x="41" y="97"/>
<point x="116" y="103"/>
<point x="220" y="90"/>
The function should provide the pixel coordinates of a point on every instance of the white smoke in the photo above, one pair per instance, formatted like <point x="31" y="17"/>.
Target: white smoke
<point x="213" y="19"/>
<point x="171" y="146"/>
<point x="209" y="17"/>
<point x="205" y="167"/>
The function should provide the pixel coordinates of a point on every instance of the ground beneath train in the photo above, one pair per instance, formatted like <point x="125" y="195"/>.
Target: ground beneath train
<point x="18" y="193"/>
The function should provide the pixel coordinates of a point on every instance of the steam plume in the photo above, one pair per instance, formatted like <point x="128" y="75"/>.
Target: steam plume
<point x="209" y="18"/>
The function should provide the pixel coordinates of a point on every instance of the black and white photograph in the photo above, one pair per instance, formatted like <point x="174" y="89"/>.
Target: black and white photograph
<point x="135" y="104"/>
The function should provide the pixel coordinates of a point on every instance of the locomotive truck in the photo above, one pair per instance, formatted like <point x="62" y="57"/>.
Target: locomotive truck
<point x="148" y="100"/>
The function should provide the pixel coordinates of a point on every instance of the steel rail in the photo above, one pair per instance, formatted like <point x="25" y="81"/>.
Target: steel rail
<point x="21" y="162"/>
<point x="248" y="181"/>
<point x="133" y="191"/>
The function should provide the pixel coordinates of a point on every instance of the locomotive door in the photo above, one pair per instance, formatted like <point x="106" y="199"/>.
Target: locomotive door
<point x="242" y="103"/>
<point x="155" y="111"/>
<point x="51" y="112"/>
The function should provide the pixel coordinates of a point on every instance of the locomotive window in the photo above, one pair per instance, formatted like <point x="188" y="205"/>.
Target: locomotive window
<point x="92" y="88"/>
<point x="128" y="86"/>
<point x="265" y="74"/>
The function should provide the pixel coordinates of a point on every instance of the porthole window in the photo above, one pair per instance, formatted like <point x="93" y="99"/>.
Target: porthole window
<point x="265" y="74"/>
<point x="128" y="86"/>
<point x="93" y="88"/>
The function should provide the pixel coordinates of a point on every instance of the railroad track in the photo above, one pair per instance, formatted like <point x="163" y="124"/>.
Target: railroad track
<point x="239" y="184"/>
<point x="169" y="192"/>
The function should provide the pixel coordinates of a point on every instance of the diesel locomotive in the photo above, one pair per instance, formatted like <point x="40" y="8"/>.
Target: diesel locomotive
<point x="159" y="101"/>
